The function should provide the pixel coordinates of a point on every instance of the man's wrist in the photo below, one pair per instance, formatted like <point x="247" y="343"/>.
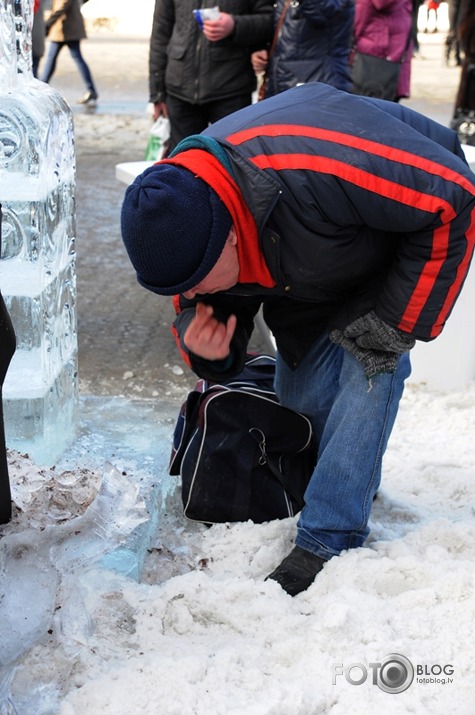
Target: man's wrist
<point x="158" y="98"/>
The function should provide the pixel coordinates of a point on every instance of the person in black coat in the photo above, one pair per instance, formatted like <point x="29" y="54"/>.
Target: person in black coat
<point x="200" y="69"/>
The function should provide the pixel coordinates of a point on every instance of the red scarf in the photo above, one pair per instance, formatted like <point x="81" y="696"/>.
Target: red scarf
<point x="252" y="266"/>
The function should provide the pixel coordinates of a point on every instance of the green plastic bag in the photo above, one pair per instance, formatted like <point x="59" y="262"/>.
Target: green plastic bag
<point x="158" y="139"/>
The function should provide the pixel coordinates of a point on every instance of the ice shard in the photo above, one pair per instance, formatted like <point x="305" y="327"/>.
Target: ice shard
<point x="37" y="265"/>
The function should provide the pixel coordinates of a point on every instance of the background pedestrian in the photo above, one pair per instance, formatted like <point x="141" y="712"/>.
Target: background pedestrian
<point x="200" y="70"/>
<point x="65" y="26"/>
<point x="311" y="43"/>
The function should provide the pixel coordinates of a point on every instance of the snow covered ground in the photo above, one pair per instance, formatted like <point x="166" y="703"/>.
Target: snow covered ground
<point x="201" y="631"/>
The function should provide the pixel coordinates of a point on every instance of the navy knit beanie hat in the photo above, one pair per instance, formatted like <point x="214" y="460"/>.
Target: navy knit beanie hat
<point x="174" y="227"/>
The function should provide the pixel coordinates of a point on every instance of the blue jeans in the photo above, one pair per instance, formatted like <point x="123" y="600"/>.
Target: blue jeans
<point x="75" y="50"/>
<point x="352" y="418"/>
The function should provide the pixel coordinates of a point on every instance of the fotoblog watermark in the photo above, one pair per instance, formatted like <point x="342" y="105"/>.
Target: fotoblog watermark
<point x="394" y="673"/>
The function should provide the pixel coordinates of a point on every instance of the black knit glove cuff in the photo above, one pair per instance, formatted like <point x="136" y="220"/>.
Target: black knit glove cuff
<point x="374" y="343"/>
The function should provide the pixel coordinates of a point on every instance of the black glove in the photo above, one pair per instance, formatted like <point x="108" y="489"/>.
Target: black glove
<point x="374" y="343"/>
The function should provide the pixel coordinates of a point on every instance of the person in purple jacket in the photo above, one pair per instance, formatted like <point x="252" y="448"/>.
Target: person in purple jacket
<point x="351" y="221"/>
<point x="382" y="28"/>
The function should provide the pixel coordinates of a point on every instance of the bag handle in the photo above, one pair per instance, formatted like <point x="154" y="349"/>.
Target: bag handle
<point x="278" y="27"/>
<point x="287" y="485"/>
<point x="274" y="467"/>
<point x="404" y="54"/>
<point x="280" y="22"/>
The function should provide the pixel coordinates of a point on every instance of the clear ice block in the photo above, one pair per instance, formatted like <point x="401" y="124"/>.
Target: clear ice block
<point x="37" y="263"/>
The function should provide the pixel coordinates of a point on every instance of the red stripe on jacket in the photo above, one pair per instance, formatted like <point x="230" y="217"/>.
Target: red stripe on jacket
<point x="456" y="286"/>
<point x="388" y="189"/>
<point x="349" y="140"/>
<point x="359" y="177"/>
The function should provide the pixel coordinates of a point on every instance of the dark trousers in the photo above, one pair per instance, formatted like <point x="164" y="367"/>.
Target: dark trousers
<point x="187" y="118"/>
<point x="75" y="51"/>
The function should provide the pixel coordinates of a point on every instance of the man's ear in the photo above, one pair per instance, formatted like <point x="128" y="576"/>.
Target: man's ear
<point x="232" y="236"/>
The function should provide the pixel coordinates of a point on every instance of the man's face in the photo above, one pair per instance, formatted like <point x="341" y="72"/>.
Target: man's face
<point x="224" y="274"/>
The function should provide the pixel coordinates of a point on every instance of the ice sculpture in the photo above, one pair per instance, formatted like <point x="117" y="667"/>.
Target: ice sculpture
<point x="37" y="265"/>
<point x="39" y="567"/>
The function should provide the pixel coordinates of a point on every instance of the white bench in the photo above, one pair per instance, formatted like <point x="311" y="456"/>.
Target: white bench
<point x="127" y="171"/>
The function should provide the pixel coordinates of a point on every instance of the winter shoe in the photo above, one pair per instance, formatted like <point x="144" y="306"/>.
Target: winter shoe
<point x="89" y="98"/>
<point x="297" y="571"/>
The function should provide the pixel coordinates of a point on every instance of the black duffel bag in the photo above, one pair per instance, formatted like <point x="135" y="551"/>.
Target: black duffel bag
<point x="240" y="454"/>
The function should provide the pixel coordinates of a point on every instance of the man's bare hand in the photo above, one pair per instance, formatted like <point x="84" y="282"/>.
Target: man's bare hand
<point x="207" y="337"/>
<point x="159" y="110"/>
<point x="259" y="60"/>
<point x="215" y="30"/>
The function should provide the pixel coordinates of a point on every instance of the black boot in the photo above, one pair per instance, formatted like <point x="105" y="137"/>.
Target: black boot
<point x="297" y="571"/>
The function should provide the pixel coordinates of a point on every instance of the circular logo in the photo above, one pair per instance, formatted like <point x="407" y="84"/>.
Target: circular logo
<point x="395" y="674"/>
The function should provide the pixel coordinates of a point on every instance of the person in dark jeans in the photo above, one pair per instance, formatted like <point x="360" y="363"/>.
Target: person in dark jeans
<point x="65" y="26"/>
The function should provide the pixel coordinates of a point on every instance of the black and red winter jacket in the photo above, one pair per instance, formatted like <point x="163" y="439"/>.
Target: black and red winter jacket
<point x="359" y="204"/>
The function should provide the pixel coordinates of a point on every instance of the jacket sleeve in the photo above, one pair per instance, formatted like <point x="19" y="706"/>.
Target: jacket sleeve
<point x="320" y="12"/>
<point x="444" y="136"/>
<point x="254" y="29"/>
<point x="61" y="9"/>
<point x="224" y="305"/>
<point x="424" y="202"/>
<point x="162" y="28"/>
